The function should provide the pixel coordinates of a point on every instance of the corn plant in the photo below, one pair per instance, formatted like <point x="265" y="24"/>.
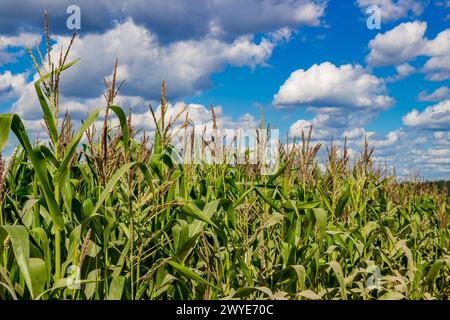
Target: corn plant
<point x="117" y="218"/>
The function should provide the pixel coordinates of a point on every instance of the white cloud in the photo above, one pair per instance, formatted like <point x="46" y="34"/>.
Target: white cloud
<point x="439" y="94"/>
<point x="329" y="124"/>
<point x="343" y="100"/>
<point x="319" y="132"/>
<point x="403" y="70"/>
<point x="401" y="44"/>
<point x="11" y="85"/>
<point x="437" y="68"/>
<point x="327" y="85"/>
<point x="439" y="46"/>
<point x="406" y="42"/>
<point x="23" y="39"/>
<point x="20" y="40"/>
<point x="354" y="133"/>
<point x="392" y="10"/>
<point x="144" y="62"/>
<point x="442" y="137"/>
<point x="389" y="140"/>
<point x="436" y="117"/>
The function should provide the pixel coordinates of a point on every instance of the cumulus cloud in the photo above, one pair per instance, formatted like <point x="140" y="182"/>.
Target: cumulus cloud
<point x="172" y="20"/>
<point x="436" y="117"/>
<point x="327" y="85"/>
<point x="403" y="70"/>
<point x="406" y="42"/>
<point x="439" y="94"/>
<point x="342" y="100"/>
<point x="323" y="131"/>
<point x="403" y="43"/>
<point x="354" y="133"/>
<point x="437" y="68"/>
<point x="389" y="140"/>
<point x="392" y="10"/>
<point x="144" y="62"/>
<point x="440" y="45"/>
<point x="20" y="40"/>
<point x="336" y="123"/>
<point x="442" y="137"/>
<point x="319" y="132"/>
<point x="11" y="85"/>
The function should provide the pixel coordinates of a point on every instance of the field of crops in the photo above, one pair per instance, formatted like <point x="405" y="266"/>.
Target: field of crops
<point x="115" y="217"/>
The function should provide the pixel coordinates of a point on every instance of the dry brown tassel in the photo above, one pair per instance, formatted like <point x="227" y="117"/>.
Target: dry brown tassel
<point x="47" y="39"/>
<point x="163" y="105"/>
<point x="84" y="247"/>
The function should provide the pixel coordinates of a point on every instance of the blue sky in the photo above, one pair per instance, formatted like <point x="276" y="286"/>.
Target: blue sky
<point x="306" y="62"/>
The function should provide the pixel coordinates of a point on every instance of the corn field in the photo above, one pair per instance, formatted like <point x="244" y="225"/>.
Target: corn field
<point x="108" y="214"/>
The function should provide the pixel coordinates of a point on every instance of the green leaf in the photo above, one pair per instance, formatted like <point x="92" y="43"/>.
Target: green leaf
<point x="40" y="235"/>
<point x="279" y="172"/>
<point x="72" y="147"/>
<point x="342" y="202"/>
<point x="273" y="219"/>
<point x="241" y="198"/>
<point x="5" y="126"/>
<point x="6" y="283"/>
<point x="21" y="248"/>
<point x="434" y="271"/>
<point x="301" y="275"/>
<point x="116" y="177"/>
<point x="39" y="164"/>
<point x="48" y="113"/>
<point x="208" y="211"/>
<point x="369" y="227"/>
<point x="192" y="210"/>
<point x="267" y="200"/>
<point x="308" y="205"/>
<point x="340" y="276"/>
<point x="321" y="218"/>
<point x="123" y="126"/>
<point x="116" y="288"/>
<point x="38" y="275"/>
<point x="49" y="117"/>
<point x="244" y="292"/>
<point x="188" y="273"/>
<point x="392" y="295"/>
